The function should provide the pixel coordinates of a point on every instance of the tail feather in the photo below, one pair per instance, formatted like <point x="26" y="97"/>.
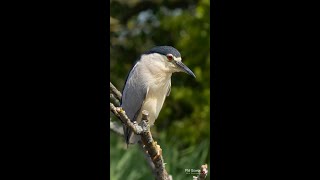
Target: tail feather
<point x="126" y="132"/>
<point x="129" y="136"/>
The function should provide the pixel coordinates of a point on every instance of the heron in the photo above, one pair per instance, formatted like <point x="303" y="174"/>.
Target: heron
<point x="148" y="84"/>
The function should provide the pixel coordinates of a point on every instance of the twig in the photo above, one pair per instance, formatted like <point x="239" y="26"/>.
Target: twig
<point x="121" y="114"/>
<point x="115" y="91"/>
<point x="114" y="99"/>
<point x="203" y="173"/>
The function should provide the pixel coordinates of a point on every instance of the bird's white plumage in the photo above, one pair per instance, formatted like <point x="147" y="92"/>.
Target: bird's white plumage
<point x="146" y="88"/>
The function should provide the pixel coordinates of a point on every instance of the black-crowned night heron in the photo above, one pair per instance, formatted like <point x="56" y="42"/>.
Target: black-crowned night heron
<point x="148" y="84"/>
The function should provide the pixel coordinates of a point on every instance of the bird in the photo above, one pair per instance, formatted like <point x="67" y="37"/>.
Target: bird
<point x="148" y="84"/>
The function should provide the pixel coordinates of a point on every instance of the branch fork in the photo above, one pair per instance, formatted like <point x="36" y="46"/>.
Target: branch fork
<point x="150" y="146"/>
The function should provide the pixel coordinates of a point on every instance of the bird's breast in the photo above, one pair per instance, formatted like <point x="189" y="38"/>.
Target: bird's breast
<point x="155" y="97"/>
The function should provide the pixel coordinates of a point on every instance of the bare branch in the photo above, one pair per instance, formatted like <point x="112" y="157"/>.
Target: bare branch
<point x="115" y="91"/>
<point x="114" y="99"/>
<point x="121" y="114"/>
<point x="203" y="173"/>
<point x="151" y="147"/>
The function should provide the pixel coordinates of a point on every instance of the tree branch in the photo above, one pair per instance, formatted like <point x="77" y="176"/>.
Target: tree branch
<point x="115" y="100"/>
<point x="151" y="146"/>
<point x="115" y="91"/>
<point x="153" y="149"/>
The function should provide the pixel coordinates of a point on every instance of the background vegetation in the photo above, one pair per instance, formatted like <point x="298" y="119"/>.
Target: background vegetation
<point x="183" y="126"/>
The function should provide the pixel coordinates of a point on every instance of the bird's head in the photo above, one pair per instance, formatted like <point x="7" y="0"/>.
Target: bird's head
<point x="166" y="58"/>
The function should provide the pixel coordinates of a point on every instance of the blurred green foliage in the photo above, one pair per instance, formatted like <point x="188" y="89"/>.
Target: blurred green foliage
<point x="183" y="126"/>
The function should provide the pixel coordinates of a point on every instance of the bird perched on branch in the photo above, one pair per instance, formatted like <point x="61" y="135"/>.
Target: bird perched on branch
<point x="148" y="84"/>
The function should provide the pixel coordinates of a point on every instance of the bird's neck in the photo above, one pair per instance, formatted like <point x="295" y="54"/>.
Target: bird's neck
<point x="158" y="70"/>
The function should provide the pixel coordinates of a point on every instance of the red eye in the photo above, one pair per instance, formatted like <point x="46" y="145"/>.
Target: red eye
<point x="170" y="57"/>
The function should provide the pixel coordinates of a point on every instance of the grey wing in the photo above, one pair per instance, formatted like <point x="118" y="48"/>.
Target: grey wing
<point x="133" y="96"/>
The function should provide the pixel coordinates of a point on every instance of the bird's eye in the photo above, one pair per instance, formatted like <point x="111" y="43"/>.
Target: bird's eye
<point x="170" y="57"/>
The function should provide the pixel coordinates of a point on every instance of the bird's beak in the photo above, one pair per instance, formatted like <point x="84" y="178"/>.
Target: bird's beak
<point x="185" y="69"/>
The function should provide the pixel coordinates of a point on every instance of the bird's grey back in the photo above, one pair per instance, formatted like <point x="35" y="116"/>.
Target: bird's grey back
<point x="133" y="94"/>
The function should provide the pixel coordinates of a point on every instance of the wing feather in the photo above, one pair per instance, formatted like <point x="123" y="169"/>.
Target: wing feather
<point x="133" y="96"/>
